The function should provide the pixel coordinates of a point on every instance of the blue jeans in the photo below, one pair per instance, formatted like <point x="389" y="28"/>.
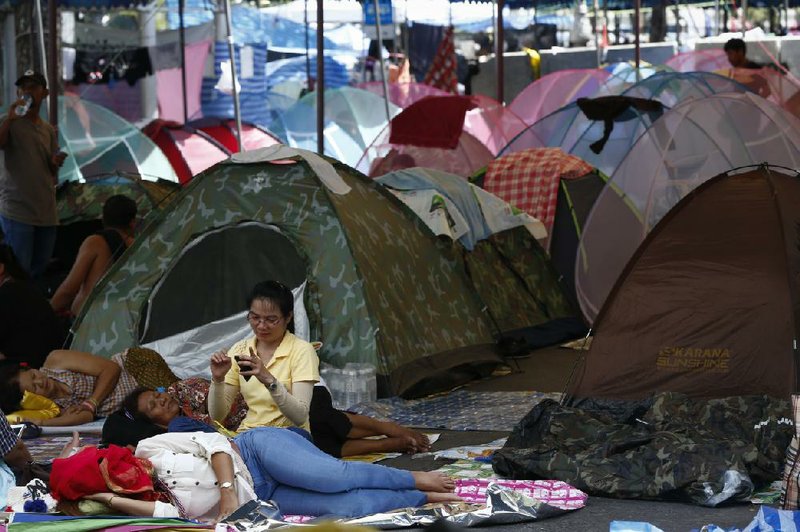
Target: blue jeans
<point x="32" y="244"/>
<point x="303" y="480"/>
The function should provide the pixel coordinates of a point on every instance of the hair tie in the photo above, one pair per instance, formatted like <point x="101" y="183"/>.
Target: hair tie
<point x="23" y="364"/>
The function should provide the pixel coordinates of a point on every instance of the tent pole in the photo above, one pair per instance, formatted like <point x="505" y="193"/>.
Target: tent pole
<point x="716" y="16"/>
<point x="42" y="54"/>
<point x="232" y="53"/>
<point x="320" y="84"/>
<point x="380" y="58"/>
<point x="595" y="14"/>
<point x="499" y="39"/>
<point x="52" y="29"/>
<point x="678" y="24"/>
<point x="308" y="58"/>
<point x="182" y="38"/>
<point x="637" y="30"/>
<point x="744" y="17"/>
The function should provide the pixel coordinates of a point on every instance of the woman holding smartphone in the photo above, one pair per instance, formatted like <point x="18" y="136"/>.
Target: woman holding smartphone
<point x="274" y="370"/>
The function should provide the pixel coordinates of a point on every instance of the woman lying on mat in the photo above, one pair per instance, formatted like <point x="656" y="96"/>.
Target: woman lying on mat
<point x="209" y="476"/>
<point x="83" y="385"/>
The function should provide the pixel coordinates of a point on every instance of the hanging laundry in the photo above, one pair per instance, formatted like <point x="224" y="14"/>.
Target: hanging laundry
<point x="442" y="72"/>
<point x="108" y="66"/>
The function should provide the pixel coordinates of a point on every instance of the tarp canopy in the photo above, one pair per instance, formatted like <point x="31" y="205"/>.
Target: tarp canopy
<point x="555" y="90"/>
<point x="361" y="251"/>
<point x="189" y="150"/>
<point x="353" y="119"/>
<point x="708" y="306"/>
<point x="99" y="142"/>
<point x="694" y="141"/>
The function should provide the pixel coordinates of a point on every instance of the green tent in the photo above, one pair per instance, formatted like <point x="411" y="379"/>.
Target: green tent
<point x="378" y="287"/>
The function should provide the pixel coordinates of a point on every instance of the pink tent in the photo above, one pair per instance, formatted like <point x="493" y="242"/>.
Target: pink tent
<point x="555" y="90"/>
<point x="465" y="159"/>
<point x="190" y="151"/>
<point x="492" y="123"/>
<point x="223" y="130"/>
<point x="708" y="60"/>
<point x="780" y="88"/>
<point x="402" y="94"/>
<point x="431" y="134"/>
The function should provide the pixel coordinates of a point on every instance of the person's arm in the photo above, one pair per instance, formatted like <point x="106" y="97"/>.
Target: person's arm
<point x="222" y="391"/>
<point x="294" y="405"/>
<point x="69" y="288"/>
<point x="105" y="371"/>
<point x="74" y="415"/>
<point x="222" y="464"/>
<point x="220" y="399"/>
<point x="123" y="504"/>
<point x="5" y="125"/>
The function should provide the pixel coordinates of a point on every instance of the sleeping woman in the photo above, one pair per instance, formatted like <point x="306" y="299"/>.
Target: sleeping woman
<point x="83" y="385"/>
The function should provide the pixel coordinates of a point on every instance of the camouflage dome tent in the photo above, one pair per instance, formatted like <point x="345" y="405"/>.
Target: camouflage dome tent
<point x="506" y="265"/>
<point x="380" y="288"/>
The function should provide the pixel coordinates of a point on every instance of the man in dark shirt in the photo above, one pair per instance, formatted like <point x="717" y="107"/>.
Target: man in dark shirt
<point x="29" y="329"/>
<point x="97" y="253"/>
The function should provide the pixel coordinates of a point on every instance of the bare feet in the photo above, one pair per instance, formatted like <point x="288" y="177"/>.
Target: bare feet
<point x="442" y="497"/>
<point x="421" y="443"/>
<point x="432" y="481"/>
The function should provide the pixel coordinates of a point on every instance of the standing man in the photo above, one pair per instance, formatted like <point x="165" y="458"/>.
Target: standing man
<point x="28" y="180"/>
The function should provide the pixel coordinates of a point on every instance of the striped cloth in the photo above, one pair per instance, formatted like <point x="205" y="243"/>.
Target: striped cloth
<point x="7" y="437"/>
<point x="442" y="72"/>
<point x="529" y="179"/>
<point x="790" y="495"/>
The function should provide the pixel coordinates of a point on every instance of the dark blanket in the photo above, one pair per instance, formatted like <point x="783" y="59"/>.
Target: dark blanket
<point x="670" y="447"/>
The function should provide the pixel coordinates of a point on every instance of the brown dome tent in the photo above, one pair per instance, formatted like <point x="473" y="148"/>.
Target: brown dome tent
<point x="708" y="306"/>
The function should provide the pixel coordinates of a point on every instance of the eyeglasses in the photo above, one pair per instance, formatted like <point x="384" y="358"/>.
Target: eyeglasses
<point x="255" y="319"/>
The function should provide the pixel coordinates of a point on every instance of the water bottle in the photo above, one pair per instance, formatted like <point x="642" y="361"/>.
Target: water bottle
<point x="22" y="109"/>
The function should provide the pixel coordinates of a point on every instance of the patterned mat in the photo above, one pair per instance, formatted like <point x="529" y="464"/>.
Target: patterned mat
<point x="459" y="410"/>
<point x="45" y="448"/>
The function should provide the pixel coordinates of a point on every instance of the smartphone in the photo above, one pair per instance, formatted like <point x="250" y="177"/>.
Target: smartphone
<point x="246" y="367"/>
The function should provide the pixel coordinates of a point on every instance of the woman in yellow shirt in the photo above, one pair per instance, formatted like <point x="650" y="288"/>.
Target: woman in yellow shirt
<point x="274" y="370"/>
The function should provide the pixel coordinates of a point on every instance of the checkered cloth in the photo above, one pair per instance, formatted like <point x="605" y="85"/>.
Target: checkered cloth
<point x="7" y="437"/>
<point x="442" y="72"/>
<point x="790" y="496"/>
<point x="529" y="179"/>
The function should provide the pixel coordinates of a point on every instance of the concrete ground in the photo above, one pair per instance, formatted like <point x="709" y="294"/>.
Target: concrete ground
<point x="548" y="370"/>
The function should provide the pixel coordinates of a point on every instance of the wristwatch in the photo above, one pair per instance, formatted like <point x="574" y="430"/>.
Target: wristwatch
<point x="226" y="485"/>
<point x="273" y="385"/>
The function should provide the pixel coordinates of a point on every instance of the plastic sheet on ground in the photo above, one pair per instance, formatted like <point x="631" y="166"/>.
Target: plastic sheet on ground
<point x="503" y="506"/>
<point x="766" y="520"/>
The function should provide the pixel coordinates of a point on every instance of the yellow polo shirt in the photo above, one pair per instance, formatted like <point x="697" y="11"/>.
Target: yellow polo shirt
<point x="295" y="360"/>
